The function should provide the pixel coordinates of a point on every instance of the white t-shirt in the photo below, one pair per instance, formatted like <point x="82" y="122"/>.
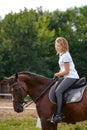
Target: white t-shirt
<point x="66" y="57"/>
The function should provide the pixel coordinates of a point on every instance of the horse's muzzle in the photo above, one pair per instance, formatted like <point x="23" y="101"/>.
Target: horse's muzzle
<point x="19" y="108"/>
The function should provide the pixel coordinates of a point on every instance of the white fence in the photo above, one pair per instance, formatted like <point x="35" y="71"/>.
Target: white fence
<point x="5" y="94"/>
<point x="9" y="95"/>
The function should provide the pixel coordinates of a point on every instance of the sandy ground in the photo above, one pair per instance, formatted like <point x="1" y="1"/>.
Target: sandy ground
<point x="9" y="112"/>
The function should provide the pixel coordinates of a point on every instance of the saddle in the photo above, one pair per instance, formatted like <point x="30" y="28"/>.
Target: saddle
<point x="73" y="94"/>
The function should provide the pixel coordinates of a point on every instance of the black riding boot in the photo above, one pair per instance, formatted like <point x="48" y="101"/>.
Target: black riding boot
<point x="58" y="117"/>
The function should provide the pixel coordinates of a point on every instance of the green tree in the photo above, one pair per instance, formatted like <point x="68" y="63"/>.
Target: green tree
<point x="27" y="40"/>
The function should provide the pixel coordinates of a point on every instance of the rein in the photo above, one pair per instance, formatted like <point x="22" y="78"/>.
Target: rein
<point x="42" y="93"/>
<point x="25" y="103"/>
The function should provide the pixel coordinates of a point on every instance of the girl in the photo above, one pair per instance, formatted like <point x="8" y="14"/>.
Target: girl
<point x="67" y="70"/>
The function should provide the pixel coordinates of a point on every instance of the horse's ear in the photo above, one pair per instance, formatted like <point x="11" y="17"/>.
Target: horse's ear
<point x="16" y="76"/>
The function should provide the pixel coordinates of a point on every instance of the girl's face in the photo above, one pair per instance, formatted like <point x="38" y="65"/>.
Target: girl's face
<point x="58" y="48"/>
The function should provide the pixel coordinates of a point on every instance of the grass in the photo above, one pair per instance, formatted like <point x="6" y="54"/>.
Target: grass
<point x="30" y="124"/>
<point x="18" y="124"/>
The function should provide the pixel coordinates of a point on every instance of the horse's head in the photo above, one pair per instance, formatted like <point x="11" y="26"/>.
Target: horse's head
<point x="18" y="92"/>
<point x="24" y="83"/>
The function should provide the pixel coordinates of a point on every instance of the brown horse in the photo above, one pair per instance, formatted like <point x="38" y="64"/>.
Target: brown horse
<point x="37" y="87"/>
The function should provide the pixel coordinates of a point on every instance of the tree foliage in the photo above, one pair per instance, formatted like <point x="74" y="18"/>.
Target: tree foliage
<point x="27" y="40"/>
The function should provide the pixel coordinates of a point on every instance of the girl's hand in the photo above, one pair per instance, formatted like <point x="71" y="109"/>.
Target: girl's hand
<point x="57" y="74"/>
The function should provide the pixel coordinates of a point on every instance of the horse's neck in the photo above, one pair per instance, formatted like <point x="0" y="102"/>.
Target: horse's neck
<point x="37" y="86"/>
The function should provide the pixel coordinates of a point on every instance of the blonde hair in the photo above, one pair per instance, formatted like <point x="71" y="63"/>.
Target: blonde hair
<point x="63" y="43"/>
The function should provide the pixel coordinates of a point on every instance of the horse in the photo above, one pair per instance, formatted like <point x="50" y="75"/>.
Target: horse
<point x="37" y="87"/>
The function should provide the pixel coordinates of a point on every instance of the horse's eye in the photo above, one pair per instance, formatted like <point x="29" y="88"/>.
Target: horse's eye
<point x="10" y="88"/>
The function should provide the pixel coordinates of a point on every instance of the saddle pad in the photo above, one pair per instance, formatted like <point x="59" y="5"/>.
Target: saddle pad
<point x="52" y="96"/>
<point x="72" y="95"/>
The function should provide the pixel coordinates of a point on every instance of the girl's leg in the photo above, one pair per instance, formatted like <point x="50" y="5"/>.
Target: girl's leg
<point x="64" y="85"/>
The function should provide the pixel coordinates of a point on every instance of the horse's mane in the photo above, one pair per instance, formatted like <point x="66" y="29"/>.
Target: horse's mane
<point x="33" y="75"/>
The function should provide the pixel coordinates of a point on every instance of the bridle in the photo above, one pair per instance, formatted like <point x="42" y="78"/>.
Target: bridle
<point x="19" y="91"/>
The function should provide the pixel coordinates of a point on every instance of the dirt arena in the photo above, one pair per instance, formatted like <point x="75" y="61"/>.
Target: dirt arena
<point x="7" y="111"/>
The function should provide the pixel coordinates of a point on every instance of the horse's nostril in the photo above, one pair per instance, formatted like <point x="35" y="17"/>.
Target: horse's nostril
<point x="19" y="109"/>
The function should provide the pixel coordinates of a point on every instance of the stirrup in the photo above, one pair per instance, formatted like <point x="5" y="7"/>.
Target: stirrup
<point x="51" y="119"/>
